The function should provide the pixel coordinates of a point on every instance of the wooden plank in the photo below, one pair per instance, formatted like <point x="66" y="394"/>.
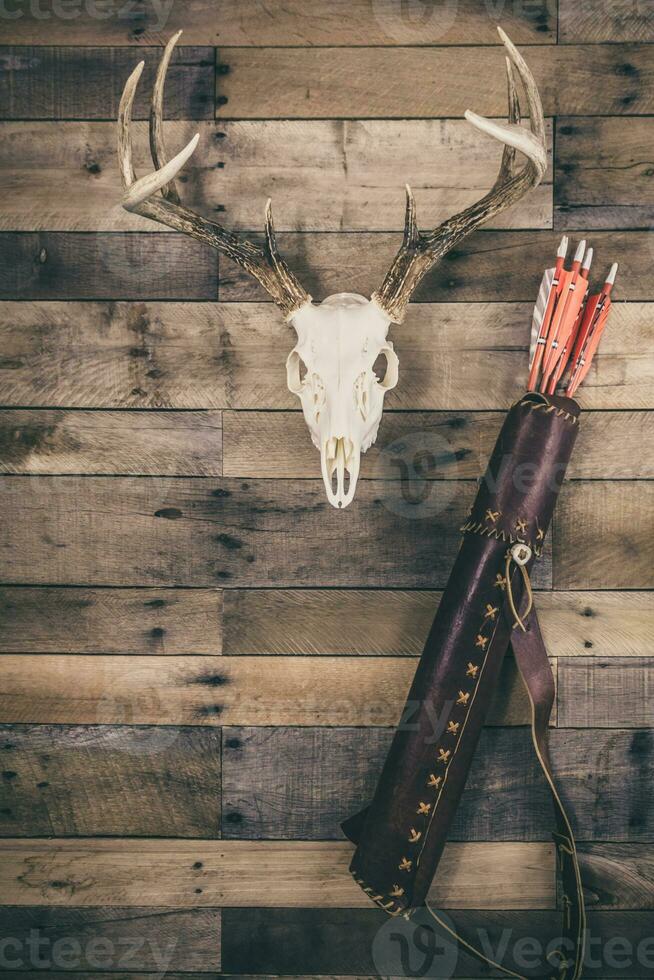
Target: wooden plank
<point x="209" y="356"/>
<point x="163" y="622"/>
<point x="113" y="443"/>
<point x="603" y="178"/>
<point x="300" y="784"/>
<point x="601" y="535"/>
<point x="333" y="83"/>
<point x="70" y="82"/>
<point x="617" y="875"/>
<point x="385" y="623"/>
<point x="618" y="445"/>
<point x="202" y="532"/>
<point x="299" y="943"/>
<point x="168" y="622"/>
<point x="323" y="176"/>
<point x="294" y="24"/>
<point x="596" y="21"/>
<point x="214" y="691"/>
<point x="109" y="939"/>
<point x="106" y="266"/>
<point x="202" y="874"/>
<point x="109" y="782"/>
<point x="361" y="943"/>
<point x="488" y="266"/>
<point x="608" y="693"/>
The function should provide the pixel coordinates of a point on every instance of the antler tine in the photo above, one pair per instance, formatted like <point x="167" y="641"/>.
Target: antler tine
<point x="124" y="127"/>
<point x="507" y="168"/>
<point x="155" y="196"/>
<point x="157" y="144"/>
<point x="421" y="250"/>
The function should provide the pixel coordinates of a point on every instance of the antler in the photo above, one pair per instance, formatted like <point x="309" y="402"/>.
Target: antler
<point x="421" y="250"/>
<point x="155" y="196"/>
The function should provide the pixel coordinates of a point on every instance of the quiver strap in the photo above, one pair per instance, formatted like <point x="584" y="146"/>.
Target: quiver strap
<point x="487" y="606"/>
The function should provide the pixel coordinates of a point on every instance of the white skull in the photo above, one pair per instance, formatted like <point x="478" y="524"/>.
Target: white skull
<point x="331" y="371"/>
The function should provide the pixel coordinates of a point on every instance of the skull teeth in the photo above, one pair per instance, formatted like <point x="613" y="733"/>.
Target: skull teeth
<point x="340" y="464"/>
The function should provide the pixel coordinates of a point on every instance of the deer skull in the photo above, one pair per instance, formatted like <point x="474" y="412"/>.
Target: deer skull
<point x="332" y="367"/>
<point x="332" y="371"/>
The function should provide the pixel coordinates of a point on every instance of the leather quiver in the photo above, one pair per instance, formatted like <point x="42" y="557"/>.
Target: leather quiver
<point x="487" y="602"/>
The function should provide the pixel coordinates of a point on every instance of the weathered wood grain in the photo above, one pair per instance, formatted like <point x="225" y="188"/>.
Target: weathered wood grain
<point x="163" y="622"/>
<point x="302" y="691"/>
<point x="488" y="266"/>
<point x="109" y="782"/>
<point x="617" y="876"/>
<point x="457" y="445"/>
<point x="104" y="266"/>
<point x="110" y="939"/>
<point x="603" y="175"/>
<point x="597" y="21"/>
<point x="291" y="784"/>
<point x="603" y="535"/>
<point x="588" y="80"/>
<point x="323" y="176"/>
<point x="626" y="699"/>
<point x="123" y="443"/>
<point x="70" y="82"/>
<point x="385" y="623"/>
<point x="168" y="622"/>
<point x="201" y="532"/>
<point x="293" y="942"/>
<point x="454" y="356"/>
<point x="203" y="874"/>
<point x="214" y="691"/>
<point x="616" y="445"/>
<point x="298" y="23"/>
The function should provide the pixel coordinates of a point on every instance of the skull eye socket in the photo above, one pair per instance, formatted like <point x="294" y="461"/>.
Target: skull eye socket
<point x="296" y="372"/>
<point x="386" y="368"/>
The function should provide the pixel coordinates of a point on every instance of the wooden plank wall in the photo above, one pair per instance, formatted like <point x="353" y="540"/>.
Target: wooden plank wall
<point x="202" y="661"/>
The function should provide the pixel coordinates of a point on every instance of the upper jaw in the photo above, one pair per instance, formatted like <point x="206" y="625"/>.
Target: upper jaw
<point x="340" y="461"/>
